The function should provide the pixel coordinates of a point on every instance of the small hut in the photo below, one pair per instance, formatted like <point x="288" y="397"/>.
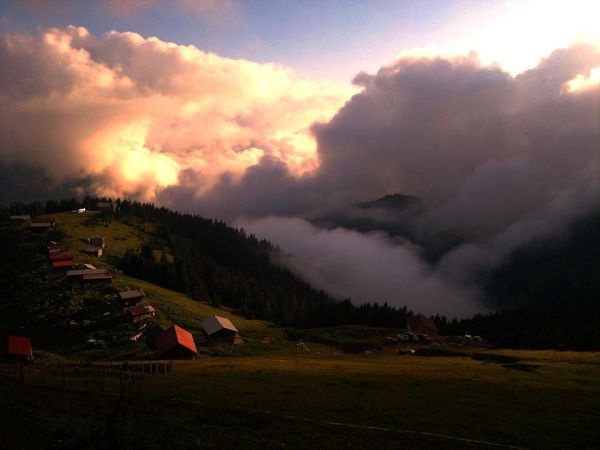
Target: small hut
<point x="18" y="347"/>
<point x="220" y="331"/>
<point x="66" y="264"/>
<point x="93" y="251"/>
<point x="97" y="241"/>
<point x="175" y="342"/>
<point x="422" y="325"/>
<point x="79" y="273"/>
<point x="131" y="297"/>
<point x="40" y="227"/>
<point x="97" y="278"/>
<point x="139" y="313"/>
<point x="25" y="218"/>
<point x="61" y="256"/>
<point x="106" y="207"/>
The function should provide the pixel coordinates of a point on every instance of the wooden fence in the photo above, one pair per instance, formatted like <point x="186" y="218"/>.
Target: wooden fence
<point x="85" y="375"/>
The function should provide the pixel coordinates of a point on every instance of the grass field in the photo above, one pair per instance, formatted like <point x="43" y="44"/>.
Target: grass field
<point x="544" y="400"/>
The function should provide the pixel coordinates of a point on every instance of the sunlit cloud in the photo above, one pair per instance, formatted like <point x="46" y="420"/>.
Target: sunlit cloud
<point x="135" y="111"/>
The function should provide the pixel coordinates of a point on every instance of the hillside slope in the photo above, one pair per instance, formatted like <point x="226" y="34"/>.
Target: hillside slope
<point x="62" y="316"/>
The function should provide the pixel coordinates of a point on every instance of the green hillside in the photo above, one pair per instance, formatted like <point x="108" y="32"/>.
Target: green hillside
<point x="61" y="316"/>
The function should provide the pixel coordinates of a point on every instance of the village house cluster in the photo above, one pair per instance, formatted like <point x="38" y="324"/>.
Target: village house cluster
<point x="171" y="342"/>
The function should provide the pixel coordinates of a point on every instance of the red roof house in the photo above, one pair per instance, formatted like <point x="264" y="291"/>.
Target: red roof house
<point x="19" y="346"/>
<point x="61" y="256"/>
<point x="66" y="264"/>
<point x="175" y="342"/>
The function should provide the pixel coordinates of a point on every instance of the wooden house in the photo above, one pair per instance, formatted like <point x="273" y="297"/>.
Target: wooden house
<point x="131" y="297"/>
<point x="93" y="251"/>
<point x="17" y="347"/>
<point x="139" y="313"/>
<point x="60" y="256"/>
<point x="19" y="219"/>
<point x="40" y="227"/>
<point x="65" y="264"/>
<point x="220" y="331"/>
<point x="78" y="273"/>
<point x="422" y="325"/>
<point x="97" y="278"/>
<point x="106" y="207"/>
<point x="175" y="342"/>
<point x="97" y="241"/>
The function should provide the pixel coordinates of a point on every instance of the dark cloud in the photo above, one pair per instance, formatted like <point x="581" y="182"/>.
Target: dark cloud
<point x="498" y="160"/>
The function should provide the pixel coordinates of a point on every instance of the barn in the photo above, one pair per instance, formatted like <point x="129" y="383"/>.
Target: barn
<point x="18" y="347"/>
<point x="422" y="325"/>
<point x="175" y="342"/>
<point x="220" y="331"/>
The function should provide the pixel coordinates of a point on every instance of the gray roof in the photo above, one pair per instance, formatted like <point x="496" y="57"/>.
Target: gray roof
<point x="40" y="224"/>
<point x="81" y="272"/>
<point x="131" y="293"/>
<point x="213" y="324"/>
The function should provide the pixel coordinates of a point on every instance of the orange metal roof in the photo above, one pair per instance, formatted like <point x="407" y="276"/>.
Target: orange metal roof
<point x="174" y="336"/>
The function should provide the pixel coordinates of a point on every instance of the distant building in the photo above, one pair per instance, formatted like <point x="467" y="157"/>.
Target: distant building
<point x="97" y="241"/>
<point x="175" y="342"/>
<point x="140" y="313"/>
<point x="97" y="278"/>
<point x="220" y="331"/>
<point x="93" y="251"/>
<point x="25" y="218"/>
<point x="108" y="207"/>
<point x="65" y="264"/>
<point x="422" y="325"/>
<point x="131" y="297"/>
<point x="61" y="256"/>
<point x="18" y="347"/>
<point x="41" y="226"/>
<point x="82" y="272"/>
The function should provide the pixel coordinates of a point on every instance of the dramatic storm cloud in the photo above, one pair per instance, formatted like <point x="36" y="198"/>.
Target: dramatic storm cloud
<point x="498" y="160"/>
<point x="129" y="114"/>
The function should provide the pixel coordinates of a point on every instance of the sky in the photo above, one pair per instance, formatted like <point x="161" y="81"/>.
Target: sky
<point x="282" y="116"/>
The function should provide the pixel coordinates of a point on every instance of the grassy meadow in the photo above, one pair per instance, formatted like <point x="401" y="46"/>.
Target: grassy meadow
<point x="541" y="399"/>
